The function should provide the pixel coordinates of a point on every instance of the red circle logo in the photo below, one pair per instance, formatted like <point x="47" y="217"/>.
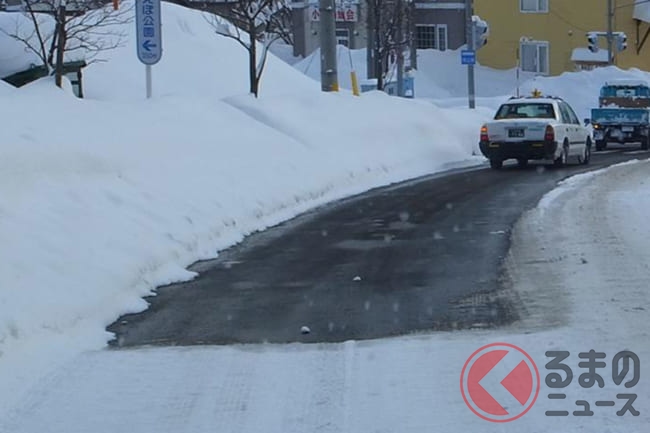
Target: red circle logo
<point x="499" y="382"/>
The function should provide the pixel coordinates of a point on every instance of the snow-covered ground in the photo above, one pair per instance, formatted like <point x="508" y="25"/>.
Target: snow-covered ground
<point x="105" y="198"/>
<point x="442" y="79"/>
<point x="597" y="283"/>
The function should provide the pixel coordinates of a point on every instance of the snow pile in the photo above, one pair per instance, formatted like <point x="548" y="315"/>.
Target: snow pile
<point x="581" y="89"/>
<point x="641" y="11"/>
<point x="105" y="198"/>
<point x="440" y="74"/>
<point x="347" y="60"/>
<point x="442" y="79"/>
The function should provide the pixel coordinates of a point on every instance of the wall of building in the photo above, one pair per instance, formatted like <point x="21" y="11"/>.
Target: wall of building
<point x="564" y="26"/>
<point x="452" y="16"/>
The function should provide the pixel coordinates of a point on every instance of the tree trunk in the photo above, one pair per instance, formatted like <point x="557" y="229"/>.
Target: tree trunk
<point x="252" y="60"/>
<point x="60" y="49"/>
<point x="379" y="70"/>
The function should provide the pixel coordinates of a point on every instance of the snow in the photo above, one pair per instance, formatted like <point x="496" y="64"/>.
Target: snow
<point x="442" y="80"/>
<point x="440" y="73"/>
<point x="641" y="11"/>
<point x="104" y="199"/>
<point x="586" y="55"/>
<point x="14" y="55"/>
<point x="629" y="83"/>
<point x="589" y="295"/>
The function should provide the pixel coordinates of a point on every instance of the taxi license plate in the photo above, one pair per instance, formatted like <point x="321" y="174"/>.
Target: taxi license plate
<point x="516" y="133"/>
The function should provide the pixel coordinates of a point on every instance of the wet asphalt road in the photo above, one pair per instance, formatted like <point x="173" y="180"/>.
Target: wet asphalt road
<point x="419" y="256"/>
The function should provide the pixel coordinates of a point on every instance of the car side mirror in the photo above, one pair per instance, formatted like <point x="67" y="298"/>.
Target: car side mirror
<point x="587" y="122"/>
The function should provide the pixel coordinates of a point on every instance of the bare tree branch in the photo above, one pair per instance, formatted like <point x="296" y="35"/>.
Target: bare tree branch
<point x="262" y="22"/>
<point x="89" y="27"/>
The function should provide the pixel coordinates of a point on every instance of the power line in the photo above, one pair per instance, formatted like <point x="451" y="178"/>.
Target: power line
<point x="566" y="21"/>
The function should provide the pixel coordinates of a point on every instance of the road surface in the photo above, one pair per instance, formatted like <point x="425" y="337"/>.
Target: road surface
<point x="419" y="256"/>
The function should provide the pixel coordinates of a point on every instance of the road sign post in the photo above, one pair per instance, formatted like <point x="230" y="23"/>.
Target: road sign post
<point x="149" y="36"/>
<point x="469" y="40"/>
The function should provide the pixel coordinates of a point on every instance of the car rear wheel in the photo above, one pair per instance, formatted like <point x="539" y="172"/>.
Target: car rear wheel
<point x="645" y="142"/>
<point x="522" y="162"/>
<point x="561" y="161"/>
<point x="601" y="145"/>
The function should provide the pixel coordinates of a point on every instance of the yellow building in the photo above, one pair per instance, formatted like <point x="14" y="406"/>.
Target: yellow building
<point x="549" y="37"/>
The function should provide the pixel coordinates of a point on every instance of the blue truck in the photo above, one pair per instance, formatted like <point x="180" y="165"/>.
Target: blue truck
<point x="623" y="115"/>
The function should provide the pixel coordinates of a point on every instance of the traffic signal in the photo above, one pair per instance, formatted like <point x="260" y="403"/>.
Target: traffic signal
<point x="621" y="41"/>
<point x="481" y="31"/>
<point x="592" y="39"/>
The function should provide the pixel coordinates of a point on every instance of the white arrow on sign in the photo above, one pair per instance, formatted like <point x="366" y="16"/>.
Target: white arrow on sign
<point x="148" y="31"/>
<point x="492" y="382"/>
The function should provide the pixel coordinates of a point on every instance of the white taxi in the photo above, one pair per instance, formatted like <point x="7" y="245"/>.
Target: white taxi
<point x="535" y="128"/>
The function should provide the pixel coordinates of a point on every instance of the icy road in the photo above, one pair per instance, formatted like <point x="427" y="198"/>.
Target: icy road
<point x="424" y="255"/>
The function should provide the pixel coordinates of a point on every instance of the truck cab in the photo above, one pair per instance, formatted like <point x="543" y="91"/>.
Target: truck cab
<point x="623" y="114"/>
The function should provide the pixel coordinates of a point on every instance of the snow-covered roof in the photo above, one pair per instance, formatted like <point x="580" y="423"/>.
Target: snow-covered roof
<point x="584" y="55"/>
<point x="642" y="11"/>
<point x="630" y="83"/>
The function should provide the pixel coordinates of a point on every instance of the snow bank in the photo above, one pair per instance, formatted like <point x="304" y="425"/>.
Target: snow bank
<point x="105" y="198"/>
<point x="195" y="63"/>
<point x="440" y="74"/>
<point x="442" y="79"/>
<point x="581" y="89"/>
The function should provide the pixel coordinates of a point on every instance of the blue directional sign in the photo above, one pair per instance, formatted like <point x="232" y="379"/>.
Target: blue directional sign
<point x="468" y="57"/>
<point x="149" y="36"/>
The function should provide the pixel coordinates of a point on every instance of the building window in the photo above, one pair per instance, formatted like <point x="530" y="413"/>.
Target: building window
<point x="429" y="36"/>
<point x="442" y="36"/>
<point x="343" y="37"/>
<point x="533" y="6"/>
<point x="534" y="57"/>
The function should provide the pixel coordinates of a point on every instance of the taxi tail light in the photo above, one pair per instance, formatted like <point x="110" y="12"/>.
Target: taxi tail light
<point x="549" y="134"/>
<point x="484" y="133"/>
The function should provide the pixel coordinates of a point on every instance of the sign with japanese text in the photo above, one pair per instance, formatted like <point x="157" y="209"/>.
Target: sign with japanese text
<point x="149" y="37"/>
<point x="343" y="13"/>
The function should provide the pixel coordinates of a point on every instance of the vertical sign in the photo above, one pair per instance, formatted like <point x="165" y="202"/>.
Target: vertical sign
<point x="149" y="37"/>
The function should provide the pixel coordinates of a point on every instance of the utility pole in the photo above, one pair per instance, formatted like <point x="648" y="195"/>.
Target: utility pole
<point x="400" y="48"/>
<point x="328" y="72"/>
<point x="610" y="32"/>
<point x="372" y="40"/>
<point x="60" y="30"/>
<point x="413" y="55"/>
<point x="469" y="38"/>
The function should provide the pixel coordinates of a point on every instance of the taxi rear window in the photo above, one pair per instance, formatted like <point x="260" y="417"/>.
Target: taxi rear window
<point x="530" y="110"/>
